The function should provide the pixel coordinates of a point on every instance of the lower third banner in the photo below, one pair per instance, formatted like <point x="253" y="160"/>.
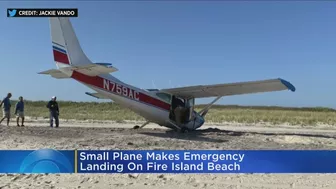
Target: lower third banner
<point x="167" y="161"/>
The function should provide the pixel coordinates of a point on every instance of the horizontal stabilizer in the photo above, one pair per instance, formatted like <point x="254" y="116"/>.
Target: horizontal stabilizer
<point x="94" y="69"/>
<point x="97" y="95"/>
<point x="55" y="73"/>
<point x="104" y="64"/>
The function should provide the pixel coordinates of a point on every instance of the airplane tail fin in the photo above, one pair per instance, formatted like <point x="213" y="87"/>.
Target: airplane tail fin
<point x="66" y="48"/>
<point x="68" y="54"/>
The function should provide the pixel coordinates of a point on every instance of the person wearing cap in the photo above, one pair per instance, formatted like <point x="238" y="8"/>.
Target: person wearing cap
<point x="6" y="108"/>
<point x="54" y="111"/>
<point x="19" y="111"/>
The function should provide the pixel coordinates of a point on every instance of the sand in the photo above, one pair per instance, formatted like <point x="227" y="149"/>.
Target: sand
<point x="74" y="135"/>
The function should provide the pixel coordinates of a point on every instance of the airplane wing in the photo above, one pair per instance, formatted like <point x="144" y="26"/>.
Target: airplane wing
<point x="203" y="91"/>
<point x="97" y="95"/>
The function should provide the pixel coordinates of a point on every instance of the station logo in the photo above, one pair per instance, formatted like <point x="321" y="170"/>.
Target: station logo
<point x="46" y="161"/>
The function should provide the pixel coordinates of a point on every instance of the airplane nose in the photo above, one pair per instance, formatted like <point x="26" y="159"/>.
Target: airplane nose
<point x="201" y="120"/>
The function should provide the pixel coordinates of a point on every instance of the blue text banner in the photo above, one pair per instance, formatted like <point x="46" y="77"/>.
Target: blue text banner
<point x="167" y="161"/>
<point x="206" y="161"/>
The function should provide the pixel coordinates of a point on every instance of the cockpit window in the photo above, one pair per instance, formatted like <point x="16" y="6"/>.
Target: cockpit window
<point x="190" y="102"/>
<point x="165" y="97"/>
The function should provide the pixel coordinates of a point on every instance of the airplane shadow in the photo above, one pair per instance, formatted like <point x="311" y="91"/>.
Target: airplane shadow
<point x="191" y="136"/>
<point x="200" y="135"/>
<point x="239" y="133"/>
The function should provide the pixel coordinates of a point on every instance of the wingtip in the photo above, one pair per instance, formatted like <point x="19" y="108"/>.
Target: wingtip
<point x="288" y="85"/>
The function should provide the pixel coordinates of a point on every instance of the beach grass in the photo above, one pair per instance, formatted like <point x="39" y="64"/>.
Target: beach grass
<point x="217" y="114"/>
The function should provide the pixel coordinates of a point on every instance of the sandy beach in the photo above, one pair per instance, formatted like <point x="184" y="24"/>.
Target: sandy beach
<point x="74" y="135"/>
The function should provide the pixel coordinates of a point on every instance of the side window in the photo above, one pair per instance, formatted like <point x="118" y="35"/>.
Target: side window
<point x="164" y="96"/>
<point x="191" y="102"/>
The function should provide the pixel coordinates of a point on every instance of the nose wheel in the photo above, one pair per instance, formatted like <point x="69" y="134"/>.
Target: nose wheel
<point x="184" y="130"/>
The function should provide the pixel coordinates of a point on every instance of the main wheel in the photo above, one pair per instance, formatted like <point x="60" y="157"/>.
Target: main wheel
<point x="184" y="130"/>
<point x="136" y="127"/>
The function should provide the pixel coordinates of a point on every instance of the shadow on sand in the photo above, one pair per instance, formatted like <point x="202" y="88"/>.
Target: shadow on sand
<point x="239" y="133"/>
<point x="191" y="136"/>
<point x="201" y="135"/>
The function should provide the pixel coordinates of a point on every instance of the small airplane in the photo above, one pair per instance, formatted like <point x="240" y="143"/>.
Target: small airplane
<point x="172" y="107"/>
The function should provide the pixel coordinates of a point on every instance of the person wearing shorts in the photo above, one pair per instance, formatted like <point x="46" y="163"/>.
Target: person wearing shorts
<point x="19" y="111"/>
<point x="5" y="103"/>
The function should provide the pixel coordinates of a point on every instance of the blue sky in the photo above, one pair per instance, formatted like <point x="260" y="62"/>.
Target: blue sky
<point x="171" y="44"/>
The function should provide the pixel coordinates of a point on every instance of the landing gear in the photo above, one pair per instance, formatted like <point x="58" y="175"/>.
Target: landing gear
<point x="184" y="130"/>
<point x="139" y="127"/>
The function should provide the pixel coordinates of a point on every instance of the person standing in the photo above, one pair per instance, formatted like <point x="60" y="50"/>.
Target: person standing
<point x="19" y="111"/>
<point x="6" y="108"/>
<point x="54" y="111"/>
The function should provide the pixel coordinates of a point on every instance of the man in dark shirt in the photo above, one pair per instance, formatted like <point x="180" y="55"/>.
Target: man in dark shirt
<point x="54" y="111"/>
<point x="6" y="108"/>
<point x="19" y="111"/>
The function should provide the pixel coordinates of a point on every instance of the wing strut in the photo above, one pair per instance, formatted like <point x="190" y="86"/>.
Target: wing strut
<point x="205" y="110"/>
<point x="143" y="125"/>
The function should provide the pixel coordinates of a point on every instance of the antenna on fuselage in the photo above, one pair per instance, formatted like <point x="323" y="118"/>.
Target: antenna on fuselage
<point x="153" y="84"/>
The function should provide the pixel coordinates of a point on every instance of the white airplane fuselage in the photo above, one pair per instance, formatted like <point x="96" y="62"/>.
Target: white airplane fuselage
<point x="142" y="102"/>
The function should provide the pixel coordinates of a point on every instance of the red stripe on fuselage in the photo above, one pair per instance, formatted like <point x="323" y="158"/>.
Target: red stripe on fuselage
<point x="61" y="57"/>
<point x="153" y="101"/>
<point x="99" y="82"/>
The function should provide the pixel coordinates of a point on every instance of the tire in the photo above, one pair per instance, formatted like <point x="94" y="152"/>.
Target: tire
<point x="184" y="130"/>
